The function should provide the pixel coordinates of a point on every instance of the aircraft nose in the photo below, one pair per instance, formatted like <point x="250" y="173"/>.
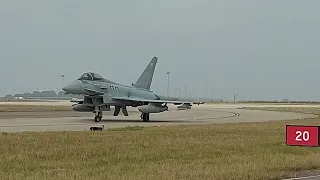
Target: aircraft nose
<point x="72" y="88"/>
<point x="66" y="88"/>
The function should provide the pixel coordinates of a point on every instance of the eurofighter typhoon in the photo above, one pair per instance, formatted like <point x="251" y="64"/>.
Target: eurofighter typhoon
<point x="100" y="93"/>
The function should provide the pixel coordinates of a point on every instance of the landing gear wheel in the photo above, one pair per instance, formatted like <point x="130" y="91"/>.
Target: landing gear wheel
<point x="145" y="117"/>
<point x="98" y="117"/>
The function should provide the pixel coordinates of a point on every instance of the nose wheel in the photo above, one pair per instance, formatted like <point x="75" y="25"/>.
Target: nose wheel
<point x="145" y="117"/>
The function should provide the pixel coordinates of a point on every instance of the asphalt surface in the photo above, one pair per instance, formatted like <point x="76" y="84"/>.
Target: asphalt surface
<point x="76" y="121"/>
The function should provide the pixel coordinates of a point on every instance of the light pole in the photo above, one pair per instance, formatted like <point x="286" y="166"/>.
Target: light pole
<point x="185" y="91"/>
<point x="212" y="96"/>
<point x="175" y="92"/>
<point x="62" y="83"/>
<point x="234" y="97"/>
<point x="168" y="73"/>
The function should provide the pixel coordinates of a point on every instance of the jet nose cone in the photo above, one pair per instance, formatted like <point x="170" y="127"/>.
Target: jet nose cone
<point x="67" y="88"/>
<point x="72" y="88"/>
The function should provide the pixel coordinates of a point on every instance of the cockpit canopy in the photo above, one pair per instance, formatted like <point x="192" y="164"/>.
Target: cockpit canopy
<point x="91" y="77"/>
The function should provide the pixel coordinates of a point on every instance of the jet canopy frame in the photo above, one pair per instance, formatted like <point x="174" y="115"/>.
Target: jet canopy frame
<point x="89" y="76"/>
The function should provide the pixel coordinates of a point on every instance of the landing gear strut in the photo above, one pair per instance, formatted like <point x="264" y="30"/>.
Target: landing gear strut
<point x="97" y="115"/>
<point x="145" y="117"/>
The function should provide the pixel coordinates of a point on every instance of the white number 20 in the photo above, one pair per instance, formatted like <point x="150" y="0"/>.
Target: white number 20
<point x="305" y="136"/>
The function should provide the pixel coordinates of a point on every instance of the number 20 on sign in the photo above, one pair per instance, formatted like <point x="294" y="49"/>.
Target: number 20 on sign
<point x="299" y="135"/>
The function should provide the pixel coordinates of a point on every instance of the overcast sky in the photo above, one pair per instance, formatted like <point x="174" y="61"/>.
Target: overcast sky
<point x="259" y="49"/>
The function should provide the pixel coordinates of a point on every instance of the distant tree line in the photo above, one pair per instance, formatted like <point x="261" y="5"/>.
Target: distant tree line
<point x="283" y="101"/>
<point x="43" y="94"/>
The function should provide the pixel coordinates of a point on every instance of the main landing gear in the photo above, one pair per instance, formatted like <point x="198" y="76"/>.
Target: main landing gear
<point x="145" y="117"/>
<point x="97" y="115"/>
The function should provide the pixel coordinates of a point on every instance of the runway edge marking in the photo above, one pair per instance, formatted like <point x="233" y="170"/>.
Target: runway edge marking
<point x="234" y="115"/>
<point x="306" y="177"/>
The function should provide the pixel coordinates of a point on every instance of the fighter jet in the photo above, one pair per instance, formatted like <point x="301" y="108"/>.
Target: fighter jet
<point x="100" y="93"/>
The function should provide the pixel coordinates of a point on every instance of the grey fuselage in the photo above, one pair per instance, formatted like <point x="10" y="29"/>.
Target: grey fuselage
<point x="107" y="89"/>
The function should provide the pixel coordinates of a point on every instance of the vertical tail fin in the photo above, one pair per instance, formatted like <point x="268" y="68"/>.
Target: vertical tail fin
<point x="145" y="79"/>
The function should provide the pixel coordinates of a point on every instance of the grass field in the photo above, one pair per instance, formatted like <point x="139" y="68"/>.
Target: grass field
<point x="33" y="108"/>
<point x="220" y="151"/>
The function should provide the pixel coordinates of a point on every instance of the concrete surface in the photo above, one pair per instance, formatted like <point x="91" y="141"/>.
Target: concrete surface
<point x="308" y="175"/>
<point x="76" y="121"/>
<point x="316" y="177"/>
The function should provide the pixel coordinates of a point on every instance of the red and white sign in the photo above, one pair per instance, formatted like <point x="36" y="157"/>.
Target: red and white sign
<point x="297" y="135"/>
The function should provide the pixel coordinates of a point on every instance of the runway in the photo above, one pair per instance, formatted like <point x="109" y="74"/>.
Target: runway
<point x="199" y="114"/>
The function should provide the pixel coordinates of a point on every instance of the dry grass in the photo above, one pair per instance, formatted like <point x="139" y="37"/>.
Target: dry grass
<point x="33" y="108"/>
<point x="221" y="151"/>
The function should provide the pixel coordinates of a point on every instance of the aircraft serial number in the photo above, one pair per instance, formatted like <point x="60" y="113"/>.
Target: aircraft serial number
<point x="114" y="87"/>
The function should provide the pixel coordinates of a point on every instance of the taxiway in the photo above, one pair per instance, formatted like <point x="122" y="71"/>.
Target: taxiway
<point x="76" y="121"/>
